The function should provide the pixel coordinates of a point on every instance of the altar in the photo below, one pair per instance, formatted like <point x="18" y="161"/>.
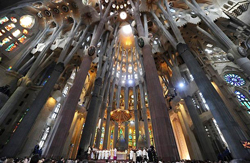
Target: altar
<point x="121" y="155"/>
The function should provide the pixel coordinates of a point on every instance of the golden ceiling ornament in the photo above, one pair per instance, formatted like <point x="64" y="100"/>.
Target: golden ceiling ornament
<point x="120" y="115"/>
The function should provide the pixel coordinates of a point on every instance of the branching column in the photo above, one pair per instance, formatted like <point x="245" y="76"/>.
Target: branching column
<point x="162" y="129"/>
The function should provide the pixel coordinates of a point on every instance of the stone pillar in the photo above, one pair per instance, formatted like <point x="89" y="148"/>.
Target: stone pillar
<point x="18" y="139"/>
<point x="111" y="95"/>
<point x="136" y="115"/>
<point x="162" y="129"/>
<point x="67" y="144"/>
<point x="144" y="114"/>
<point x="26" y="82"/>
<point x="205" y="144"/>
<point x="68" y="109"/>
<point x="115" y="135"/>
<point x="34" y="42"/>
<point x="88" y="132"/>
<point x="103" y="108"/>
<point x="193" y="148"/>
<point x="126" y="94"/>
<point x="229" y="128"/>
<point x="26" y="66"/>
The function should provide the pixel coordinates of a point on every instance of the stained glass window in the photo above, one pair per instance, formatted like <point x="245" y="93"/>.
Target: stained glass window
<point x="25" y="31"/>
<point x="16" y="33"/>
<point x="22" y="39"/>
<point x="234" y="79"/>
<point x="5" y="40"/>
<point x="13" y="19"/>
<point x="56" y="111"/>
<point x="11" y="47"/>
<point x="3" y="20"/>
<point x="44" y="136"/>
<point x="27" y="21"/>
<point x="10" y="27"/>
<point x="243" y="100"/>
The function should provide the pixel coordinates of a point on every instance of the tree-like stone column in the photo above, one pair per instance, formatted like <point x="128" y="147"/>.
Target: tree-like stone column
<point x="162" y="129"/>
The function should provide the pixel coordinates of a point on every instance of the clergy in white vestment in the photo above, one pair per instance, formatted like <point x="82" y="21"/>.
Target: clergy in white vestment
<point x="111" y="154"/>
<point x="115" y="151"/>
<point x="99" y="155"/>
<point x="145" y="154"/>
<point x="106" y="154"/>
<point x="131" y="154"/>
<point x="92" y="155"/>
<point x="103" y="153"/>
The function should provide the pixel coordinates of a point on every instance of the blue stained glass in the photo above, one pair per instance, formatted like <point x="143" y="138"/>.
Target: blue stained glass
<point x="243" y="100"/>
<point x="234" y="79"/>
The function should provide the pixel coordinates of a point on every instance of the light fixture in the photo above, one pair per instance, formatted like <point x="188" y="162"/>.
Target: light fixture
<point x="181" y="84"/>
<point x="130" y="81"/>
<point x="127" y="29"/>
<point x="123" y="15"/>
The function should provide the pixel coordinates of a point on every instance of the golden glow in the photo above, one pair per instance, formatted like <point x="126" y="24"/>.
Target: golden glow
<point x="126" y="36"/>
<point x="180" y="138"/>
<point x="128" y="42"/>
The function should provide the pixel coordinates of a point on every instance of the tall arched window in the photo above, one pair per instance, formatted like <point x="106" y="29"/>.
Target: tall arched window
<point x="234" y="79"/>
<point x="243" y="100"/>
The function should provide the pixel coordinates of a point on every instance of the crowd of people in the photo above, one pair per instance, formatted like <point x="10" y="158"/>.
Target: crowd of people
<point x="134" y="155"/>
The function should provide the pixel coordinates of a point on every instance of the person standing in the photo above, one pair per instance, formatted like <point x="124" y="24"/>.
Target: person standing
<point x="150" y="155"/>
<point x="131" y="154"/>
<point x="145" y="154"/>
<point x="115" y="151"/>
<point x="89" y="152"/>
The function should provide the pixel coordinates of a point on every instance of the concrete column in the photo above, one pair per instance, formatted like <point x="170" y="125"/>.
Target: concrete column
<point x="36" y="130"/>
<point x="111" y="95"/>
<point x="34" y="42"/>
<point x="236" y="53"/>
<point x="103" y="108"/>
<point x="67" y="143"/>
<point x="18" y="139"/>
<point x="115" y="135"/>
<point x="144" y="114"/>
<point x="229" y="128"/>
<point x="25" y="82"/>
<point x="77" y="137"/>
<point x="193" y="148"/>
<point x="26" y="66"/>
<point x="163" y="133"/>
<point x="205" y="144"/>
<point x="126" y="94"/>
<point x="136" y="115"/>
<point x="68" y="109"/>
<point x="88" y="132"/>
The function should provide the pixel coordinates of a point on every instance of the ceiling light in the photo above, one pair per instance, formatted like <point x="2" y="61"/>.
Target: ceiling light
<point x="130" y="81"/>
<point x="181" y="85"/>
<point x="123" y="15"/>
